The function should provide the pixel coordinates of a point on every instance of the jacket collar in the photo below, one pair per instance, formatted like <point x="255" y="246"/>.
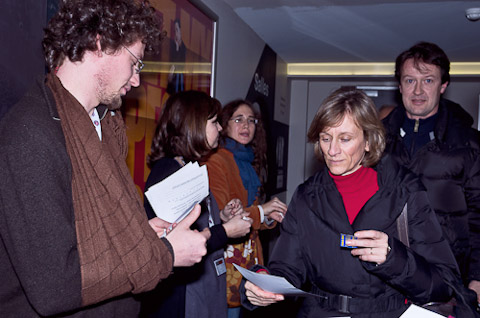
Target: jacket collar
<point x="52" y="107"/>
<point x="50" y="100"/>
<point x="395" y="183"/>
<point x="448" y="113"/>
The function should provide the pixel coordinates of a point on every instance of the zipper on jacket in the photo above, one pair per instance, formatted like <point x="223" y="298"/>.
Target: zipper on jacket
<point x="417" y="123"/>
<point x="415" y="130"/>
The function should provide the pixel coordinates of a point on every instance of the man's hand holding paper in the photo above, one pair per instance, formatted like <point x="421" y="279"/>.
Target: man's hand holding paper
<point x="189" y="246"/>
<point x="161" y="227"/>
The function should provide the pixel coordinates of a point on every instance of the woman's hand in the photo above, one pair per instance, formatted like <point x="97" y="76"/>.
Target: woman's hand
<point x="238" y="226"/>
<point x="232" y="208"/>
<point x="475" y="286"/>
<point x="275" y="209"/>
<point x="372" y="246"/>
<point x="260" y="297"/>
<point x="161" y="227"/>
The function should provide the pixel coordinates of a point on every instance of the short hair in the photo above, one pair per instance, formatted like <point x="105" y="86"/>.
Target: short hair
<point x="181" y="129"/>
<point x="259" y="142"/>
<point x="177" y="21"/>
<point x="74" y="28"/>
<point x="425" y="52"/>
<point x="357" y="104"/>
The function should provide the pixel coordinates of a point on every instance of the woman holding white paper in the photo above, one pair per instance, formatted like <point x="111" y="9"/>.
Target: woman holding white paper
<point x="188" y="131"/>
<point x="343" y="239"/>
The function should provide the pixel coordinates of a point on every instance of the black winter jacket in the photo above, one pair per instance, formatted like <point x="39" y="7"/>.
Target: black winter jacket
<point x="197" y="291"/>
<point x="449" y="167"/>
<point x="308" y="252"/>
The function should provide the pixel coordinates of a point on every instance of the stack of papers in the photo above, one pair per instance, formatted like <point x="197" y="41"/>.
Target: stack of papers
<point x="173" y="198"/>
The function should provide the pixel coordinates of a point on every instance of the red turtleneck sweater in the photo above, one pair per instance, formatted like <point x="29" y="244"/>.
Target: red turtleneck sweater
<point x="356" y="189"/>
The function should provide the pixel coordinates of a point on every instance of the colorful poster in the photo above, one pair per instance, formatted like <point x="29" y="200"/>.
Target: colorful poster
<point x="185" y="62"/>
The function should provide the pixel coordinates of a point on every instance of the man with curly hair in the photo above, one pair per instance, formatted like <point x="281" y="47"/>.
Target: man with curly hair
<point x="74" y="239"/>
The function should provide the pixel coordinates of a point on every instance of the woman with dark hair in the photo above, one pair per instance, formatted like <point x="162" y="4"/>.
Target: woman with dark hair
<point x="234" y="172"/>
<point x="188" y="131"/>
<point x="360" y="233"/>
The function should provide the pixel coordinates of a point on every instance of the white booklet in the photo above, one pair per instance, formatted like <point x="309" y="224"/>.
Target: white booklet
<point x="173" y="198"/>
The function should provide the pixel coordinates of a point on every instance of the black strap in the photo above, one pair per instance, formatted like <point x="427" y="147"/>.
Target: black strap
<point x="402" y="226"/>
<point x="355" y="305"/>
<point x="460" y="292"/>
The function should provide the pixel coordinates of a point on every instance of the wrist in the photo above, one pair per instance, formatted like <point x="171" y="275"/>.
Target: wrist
<point x="226" y="228"/>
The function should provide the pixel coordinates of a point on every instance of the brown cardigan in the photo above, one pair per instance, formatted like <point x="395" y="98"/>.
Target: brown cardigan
<point x="226" y="184"/>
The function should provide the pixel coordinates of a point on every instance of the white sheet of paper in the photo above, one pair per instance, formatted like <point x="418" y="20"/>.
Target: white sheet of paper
<point x="272" y="283"/>
<point x="174" y="197"/>
<point x="418" y="312"/>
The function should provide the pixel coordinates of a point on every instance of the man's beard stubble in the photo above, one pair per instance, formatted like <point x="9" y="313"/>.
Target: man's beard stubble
<point x="113" y="101"/>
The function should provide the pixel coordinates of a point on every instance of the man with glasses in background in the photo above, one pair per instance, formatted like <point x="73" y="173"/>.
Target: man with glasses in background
<point x="74" y="239"/>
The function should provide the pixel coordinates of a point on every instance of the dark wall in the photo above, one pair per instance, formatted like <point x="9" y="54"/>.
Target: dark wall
<point x="21" y="55"/>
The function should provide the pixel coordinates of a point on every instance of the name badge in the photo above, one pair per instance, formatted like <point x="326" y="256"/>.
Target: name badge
<point x="344" y="238"/>
<point x="220" y="266"/>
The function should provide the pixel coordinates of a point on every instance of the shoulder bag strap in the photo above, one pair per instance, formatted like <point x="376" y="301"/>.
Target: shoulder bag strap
<point x="402" y="226"/>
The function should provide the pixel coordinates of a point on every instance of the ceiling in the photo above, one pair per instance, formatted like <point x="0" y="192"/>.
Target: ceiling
<point x="320" y="31"/>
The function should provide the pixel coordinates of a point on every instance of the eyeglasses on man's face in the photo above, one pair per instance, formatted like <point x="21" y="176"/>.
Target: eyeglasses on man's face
<point x="242" y="120"/>
<point x="139" y="65"/>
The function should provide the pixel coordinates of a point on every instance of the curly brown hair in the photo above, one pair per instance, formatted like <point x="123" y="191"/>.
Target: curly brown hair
<point x="259" y="142"/>
<point x="181" y="129"/>
<point x="73" y="30"/>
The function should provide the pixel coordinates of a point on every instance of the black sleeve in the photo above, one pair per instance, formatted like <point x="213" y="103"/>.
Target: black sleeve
<point x="161" y="169"/>
<point x="218" y="238"/>
<point x="423" y="270"/>
<point x="472" y="196"/>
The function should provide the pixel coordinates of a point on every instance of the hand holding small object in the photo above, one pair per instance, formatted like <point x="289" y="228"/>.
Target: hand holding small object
<point x="275" y="209"/>
<point x="232" y="208"/>
<point x="372" y="246"/>
<point x="161" y="227"/>
<point x="238" y="226"/>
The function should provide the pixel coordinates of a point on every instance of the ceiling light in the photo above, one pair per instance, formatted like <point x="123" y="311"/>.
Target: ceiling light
<point x="369" y="69"/>
<point x="473" y="14"/>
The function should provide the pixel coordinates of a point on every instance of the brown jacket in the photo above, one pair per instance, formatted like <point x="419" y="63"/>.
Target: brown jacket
<point x="226" y="184"/>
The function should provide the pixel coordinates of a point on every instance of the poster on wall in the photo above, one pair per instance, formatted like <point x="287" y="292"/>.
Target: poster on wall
<point x="262" y="95"/>
<point x="185" y="61"/>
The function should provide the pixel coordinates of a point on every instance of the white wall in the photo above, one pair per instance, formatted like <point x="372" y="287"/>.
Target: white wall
<point x="238" y="52"/>
<point x="297" y="140"/>
<point x="465" y="92"/>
